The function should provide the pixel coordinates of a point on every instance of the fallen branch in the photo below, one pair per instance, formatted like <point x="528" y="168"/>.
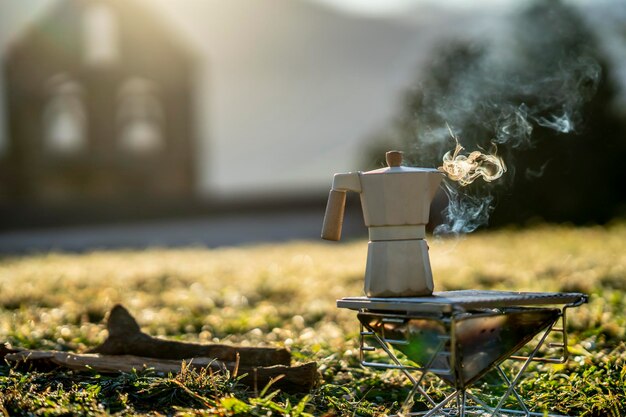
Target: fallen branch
<point x="294" y="378"/>
<point x="126" y="338"/>
<point x="5" y="349"/>
<point x="127" y="348"/>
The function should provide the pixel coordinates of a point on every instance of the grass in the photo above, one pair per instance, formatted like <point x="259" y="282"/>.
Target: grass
<point x="284" y="295"/>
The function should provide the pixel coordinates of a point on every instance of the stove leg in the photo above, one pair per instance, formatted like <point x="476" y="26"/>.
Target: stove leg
<point x="417" y="382"/>
<point x="441" y="404"/>
<point x="460" y="403"/>
<point x="520" y="401"/>
<point x="481" y="403"/>
<point x="521" y="372"/>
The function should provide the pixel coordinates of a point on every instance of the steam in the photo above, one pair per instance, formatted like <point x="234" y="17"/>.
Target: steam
<point x="465" y="213"/>
<point x="561" y="124"/>
<point x="497" y="98"/>
<point x="513" y="127"/>
<point x="464" y="169"/>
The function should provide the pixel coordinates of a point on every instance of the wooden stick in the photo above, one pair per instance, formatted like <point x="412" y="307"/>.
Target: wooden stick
<point x="5" y="349"/>
<point x="126" y="338"/>
<point x="294" y="378"/>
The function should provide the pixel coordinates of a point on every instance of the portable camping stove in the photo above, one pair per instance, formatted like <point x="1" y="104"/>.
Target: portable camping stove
<point x="460" y="336"/>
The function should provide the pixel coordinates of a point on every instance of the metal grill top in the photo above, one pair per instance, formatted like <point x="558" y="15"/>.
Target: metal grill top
<point x="447" y="301"/>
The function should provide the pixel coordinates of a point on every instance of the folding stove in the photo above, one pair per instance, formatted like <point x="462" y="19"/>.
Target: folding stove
<point x="458" y="336"/>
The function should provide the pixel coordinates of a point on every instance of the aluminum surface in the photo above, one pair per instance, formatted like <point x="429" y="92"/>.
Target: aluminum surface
<point x="447" y="301"/>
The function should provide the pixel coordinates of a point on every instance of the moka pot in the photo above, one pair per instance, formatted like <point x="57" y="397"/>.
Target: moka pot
<point x="396" y="206"/>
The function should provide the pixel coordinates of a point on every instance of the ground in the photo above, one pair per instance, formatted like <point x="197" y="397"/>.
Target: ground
<point x="284" y="295"/>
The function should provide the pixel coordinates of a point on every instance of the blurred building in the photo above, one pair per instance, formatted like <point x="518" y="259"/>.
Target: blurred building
<point x="98" y="103"/>
<point x="98" y="97"/>
<point x="99" y="108"/>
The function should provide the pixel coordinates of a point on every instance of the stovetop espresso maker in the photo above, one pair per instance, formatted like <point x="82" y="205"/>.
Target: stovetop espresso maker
<point x="396" y="205"/>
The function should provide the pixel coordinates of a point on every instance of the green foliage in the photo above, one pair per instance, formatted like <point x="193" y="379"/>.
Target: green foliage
<point x="285" y="295"/>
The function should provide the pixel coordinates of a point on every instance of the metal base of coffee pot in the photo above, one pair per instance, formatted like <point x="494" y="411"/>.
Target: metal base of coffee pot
<point x="398" y="268"/>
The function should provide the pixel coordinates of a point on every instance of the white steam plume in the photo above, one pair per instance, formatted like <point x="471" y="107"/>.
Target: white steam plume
<point x="537" y="78"/>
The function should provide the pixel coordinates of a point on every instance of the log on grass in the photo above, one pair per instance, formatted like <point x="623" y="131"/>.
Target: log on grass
<point x="5" y="349"/>
<point x="126" y="338"/>
<point x="297" y="378"/>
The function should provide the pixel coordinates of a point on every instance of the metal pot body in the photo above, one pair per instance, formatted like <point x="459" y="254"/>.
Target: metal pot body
<point x="395" y="199"/>
<point x="398" y="268"/>
<point x="396" y="207"/>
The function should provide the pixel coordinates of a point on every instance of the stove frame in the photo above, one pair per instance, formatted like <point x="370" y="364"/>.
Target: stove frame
<point x="446" y="309"/>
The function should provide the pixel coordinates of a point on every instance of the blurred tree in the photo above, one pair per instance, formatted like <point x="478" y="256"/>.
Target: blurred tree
<point x="541" y="99"/>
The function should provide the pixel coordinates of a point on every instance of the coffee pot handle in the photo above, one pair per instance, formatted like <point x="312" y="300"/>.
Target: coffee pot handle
<point x="333" y="218"/>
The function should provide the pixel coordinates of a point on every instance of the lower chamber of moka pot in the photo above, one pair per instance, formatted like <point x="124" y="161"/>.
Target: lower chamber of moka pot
<point x="398" y="268"/>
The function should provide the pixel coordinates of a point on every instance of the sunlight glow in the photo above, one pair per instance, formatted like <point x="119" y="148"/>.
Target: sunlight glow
<point x="395" y="7"/>
<point x="372" y="6"/>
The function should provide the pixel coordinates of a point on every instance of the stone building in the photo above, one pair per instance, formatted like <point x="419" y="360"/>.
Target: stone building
<point x="99" y="109"/>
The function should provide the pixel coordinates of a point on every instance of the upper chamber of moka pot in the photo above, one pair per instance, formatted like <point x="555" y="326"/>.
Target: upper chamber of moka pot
<point x="396" y="195"/>
<point x="395" y="199"/>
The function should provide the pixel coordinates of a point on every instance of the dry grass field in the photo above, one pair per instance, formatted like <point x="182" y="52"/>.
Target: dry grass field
<point x="284" y="295"/>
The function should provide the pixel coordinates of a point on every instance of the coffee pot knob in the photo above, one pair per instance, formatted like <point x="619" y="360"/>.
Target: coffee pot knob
<point x="394" y="158"/>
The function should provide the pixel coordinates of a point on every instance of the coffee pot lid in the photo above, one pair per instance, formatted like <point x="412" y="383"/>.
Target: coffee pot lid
<point x="394" y="162"/>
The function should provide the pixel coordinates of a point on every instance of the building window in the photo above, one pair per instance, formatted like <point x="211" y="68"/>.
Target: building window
<point x="140" y="117"/>
<point x="65" y="119"/>
<point x="100" y="35"/>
